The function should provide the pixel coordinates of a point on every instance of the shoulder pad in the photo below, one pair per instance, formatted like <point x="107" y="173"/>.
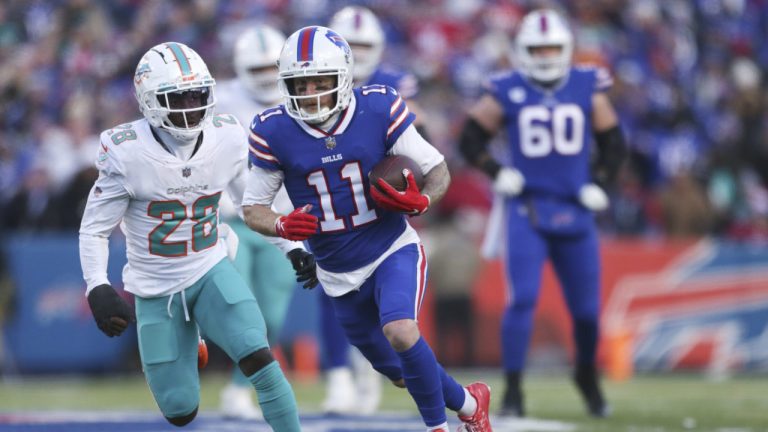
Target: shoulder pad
<point x="228" y="130"/>
<point x="602" y="77"/>
<point x="377" y="97"/>
<point x="225" y="121"/>
<point x="116" y="148"/>
<point x="269" y="120"/>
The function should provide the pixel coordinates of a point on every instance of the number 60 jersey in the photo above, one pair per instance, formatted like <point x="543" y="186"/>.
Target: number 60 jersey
<point x="550" y="130"/>
<point x="168" y="207"/>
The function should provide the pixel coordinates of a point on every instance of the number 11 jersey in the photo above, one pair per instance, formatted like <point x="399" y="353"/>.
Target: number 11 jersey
<point x="329" y="169"/>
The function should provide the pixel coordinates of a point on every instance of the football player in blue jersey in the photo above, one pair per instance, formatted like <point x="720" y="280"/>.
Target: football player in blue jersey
<point x="320" y="144"/>
<point x="550" y="111"/>
<point x="351" y="384"/>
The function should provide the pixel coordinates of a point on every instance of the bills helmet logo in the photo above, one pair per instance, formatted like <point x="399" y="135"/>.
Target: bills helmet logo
<point x="338" y="41"/>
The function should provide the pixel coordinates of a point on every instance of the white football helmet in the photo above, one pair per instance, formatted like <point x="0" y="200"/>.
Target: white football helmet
<point x="360" y="27"/>
<point x="541" y="28"/>
<point x="315" y="51"/>
<point x="164" y="78"/>
<point x="255" y="60"/>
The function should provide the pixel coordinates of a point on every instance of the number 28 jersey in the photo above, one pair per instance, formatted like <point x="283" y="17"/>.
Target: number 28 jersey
<point x="330" y="171"/>
<point x="550" y="130"/>
<point x="167" y="207"/>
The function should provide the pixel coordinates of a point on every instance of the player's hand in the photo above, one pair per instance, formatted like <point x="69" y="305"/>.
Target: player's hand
<point x="299" y="225"/>
<point x="509" y="182"/>
<point x="593" y="197"/>
<point x="111" y="312"/>
<point x="304" y="264"/>
<point x="410" y="201"/>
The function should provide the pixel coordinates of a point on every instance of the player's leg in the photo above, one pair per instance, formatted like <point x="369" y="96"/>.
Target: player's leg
<point x="228" y="313"/>
<point x="526" y="252"/>
<point x="168" y="349"/>
<point x="400" y="283"/>
<point x="340" y="397"/>
<point x="577" y="263"/>
<point x="270" y="277"/>
<point x="358" y="314"/>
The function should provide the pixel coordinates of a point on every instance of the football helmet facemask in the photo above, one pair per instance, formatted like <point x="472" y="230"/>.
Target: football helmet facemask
<point x="544" y="28"/>
<point x="362" y="30"/>
<point x="255" y="61"/>
<point x="175" y="90"/>
<point x="314" y="52"/>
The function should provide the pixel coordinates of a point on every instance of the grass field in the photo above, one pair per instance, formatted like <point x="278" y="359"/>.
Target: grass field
<point x="659" y="403"/>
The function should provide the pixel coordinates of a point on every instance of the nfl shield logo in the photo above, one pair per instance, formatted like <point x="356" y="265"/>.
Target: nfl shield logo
<point x="186" y="172"/>
<point x="330" y="143"/>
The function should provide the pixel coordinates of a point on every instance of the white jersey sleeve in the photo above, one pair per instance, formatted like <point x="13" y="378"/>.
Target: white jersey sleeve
<point x="106" y="205"/>
<point x="262" y="186"/>
<point x="412" y="144"/>
<point x="237" y="188"/>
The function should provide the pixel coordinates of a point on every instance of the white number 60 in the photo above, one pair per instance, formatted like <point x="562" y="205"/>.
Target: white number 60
<point x="537" y="140"/>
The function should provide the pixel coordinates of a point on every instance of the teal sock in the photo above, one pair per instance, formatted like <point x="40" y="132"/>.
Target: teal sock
<point x="276" y="398"/>
<point x="239" y="379"/>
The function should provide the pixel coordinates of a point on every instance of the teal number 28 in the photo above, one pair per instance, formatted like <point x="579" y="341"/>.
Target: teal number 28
<point x="172" y="214"/>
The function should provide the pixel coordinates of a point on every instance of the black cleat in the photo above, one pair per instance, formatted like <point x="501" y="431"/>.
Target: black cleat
<point x="512" y="404"/>
<point x="586" y="380"/>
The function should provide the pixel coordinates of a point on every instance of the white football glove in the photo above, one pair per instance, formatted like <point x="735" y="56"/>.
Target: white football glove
<point x="593" y="197"/>
<point x="509" y="182"/>
<point x="231" y="240"/>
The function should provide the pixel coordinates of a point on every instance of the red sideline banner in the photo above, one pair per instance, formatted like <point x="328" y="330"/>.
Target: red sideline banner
<point x="665" y="306"/>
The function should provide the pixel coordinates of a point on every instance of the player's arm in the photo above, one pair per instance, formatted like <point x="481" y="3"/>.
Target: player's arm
<point x="610" y="153"/>
<point x="436" y="176"/>
<point x="263" y="185"/>
<point x="611" y="145"/>
<point x="106" y="205"/>
<point x="236" y="190"/>
<point x="260" y="191"/>
<point x="484" y="119"/>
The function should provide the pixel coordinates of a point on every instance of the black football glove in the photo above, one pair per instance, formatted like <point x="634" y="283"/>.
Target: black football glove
<point x="111" y="312"/>
<point x="306" y="269"/>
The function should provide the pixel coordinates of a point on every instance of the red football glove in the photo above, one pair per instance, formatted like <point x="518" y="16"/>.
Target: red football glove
<point x="298" y="225"/>
<point x="411" y="201"/>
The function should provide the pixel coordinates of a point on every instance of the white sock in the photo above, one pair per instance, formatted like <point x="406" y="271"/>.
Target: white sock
<point x="443" y="426"/>
<point x="470" y="405"/>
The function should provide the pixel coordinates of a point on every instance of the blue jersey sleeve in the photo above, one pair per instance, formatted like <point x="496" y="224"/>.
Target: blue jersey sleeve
<point x="400" y="117"/>
<point x="260" y="153"/>
<point x="601" y="77"/>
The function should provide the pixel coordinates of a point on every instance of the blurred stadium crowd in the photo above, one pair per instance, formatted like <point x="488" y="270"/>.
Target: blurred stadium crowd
<point x="689" y="85"/>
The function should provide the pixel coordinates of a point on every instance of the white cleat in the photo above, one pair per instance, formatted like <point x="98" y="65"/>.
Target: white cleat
<point x="340" y="397"/>
<point x="368" y="383"/>
<point x="237" y="403"/>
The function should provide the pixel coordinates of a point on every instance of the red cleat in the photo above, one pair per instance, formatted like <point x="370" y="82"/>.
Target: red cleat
<point x="479" y="421"/>
<point x="202" y="354"/>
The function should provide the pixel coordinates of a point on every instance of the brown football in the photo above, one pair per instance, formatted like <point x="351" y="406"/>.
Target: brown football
<point x="391" y="170"/>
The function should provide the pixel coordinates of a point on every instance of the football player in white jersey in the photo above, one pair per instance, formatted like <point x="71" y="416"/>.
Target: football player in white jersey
<point x="264" y="267"/>
<point x="161" y="178"/>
